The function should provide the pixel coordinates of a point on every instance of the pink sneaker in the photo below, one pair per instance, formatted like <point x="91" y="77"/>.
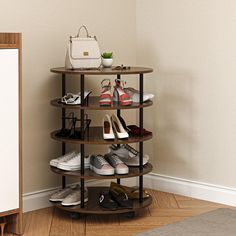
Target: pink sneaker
<point x="100" y="166"/>
<point x="120" y="167"/>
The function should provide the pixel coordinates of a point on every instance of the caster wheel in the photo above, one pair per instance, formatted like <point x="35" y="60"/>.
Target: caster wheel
<point x="130" y="214"/>
<point x="75" y="216"/>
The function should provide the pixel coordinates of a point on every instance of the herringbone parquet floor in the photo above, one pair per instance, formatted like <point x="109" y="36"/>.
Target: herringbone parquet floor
<point x="166" y="208"/>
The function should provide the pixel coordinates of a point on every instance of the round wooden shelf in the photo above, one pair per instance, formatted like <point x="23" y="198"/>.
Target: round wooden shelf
<point x="92" y="207"/>
<point x="88" y="174"/>
<point x="93" y="104"/>
<point x="102" y="71"/>
<point x="94" y="136"/>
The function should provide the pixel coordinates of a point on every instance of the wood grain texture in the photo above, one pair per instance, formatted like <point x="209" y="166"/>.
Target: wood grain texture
<point x="102" y="71"/>
<point x="88" y="174"/>
<point x="10" y="40"/>
<point x="95" y="136"/>
<point x="92" y="207"/>
<point x="93" y="104"/>
<point x="164" y="210"/>
<point x="38" y="222"/>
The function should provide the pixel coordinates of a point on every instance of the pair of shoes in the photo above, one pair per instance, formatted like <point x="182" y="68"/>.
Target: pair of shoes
<point x="70" y="162"/>
<point x="111" y="124"/>
<point x="119" y="95"/>
<point x="113" y="200"/>
<point x="135" y="95"/>
<point x="74" y="99"/>
<point x="71" y="131"/>
<point x="108" y="165"/>
<point x="127" y="154"/>
<point x="69" y="196"/>
<point x="132" y="192"/>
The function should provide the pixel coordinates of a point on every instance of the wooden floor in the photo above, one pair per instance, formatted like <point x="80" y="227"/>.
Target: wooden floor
<point x="166" y="208"/>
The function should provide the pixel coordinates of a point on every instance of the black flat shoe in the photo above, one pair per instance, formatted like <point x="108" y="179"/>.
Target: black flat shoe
<point x="122" y="199"/>
<point x="105" y="201"/>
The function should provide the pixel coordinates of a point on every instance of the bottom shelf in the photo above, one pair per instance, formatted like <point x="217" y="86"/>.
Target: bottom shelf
<point x="92" y="206"/>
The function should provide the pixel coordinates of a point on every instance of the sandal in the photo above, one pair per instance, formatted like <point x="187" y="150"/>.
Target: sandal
<point x="119" y="95"/>
<point x="74" y="99"/>
<point x="105" y="97"/>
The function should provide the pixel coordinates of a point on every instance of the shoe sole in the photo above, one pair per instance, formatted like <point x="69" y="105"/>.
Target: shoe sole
<point x="74" y="203"/>
<point x="61" y="167"/>
<point x="102" y="172"/>
<point x="122" y="171"/>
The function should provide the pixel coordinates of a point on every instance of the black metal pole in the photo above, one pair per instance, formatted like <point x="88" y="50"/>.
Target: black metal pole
<point x="63" y="92"/>
<point x="141" y="134"/>
<point x="118" y="114"/>
<point x="82" y="138"/>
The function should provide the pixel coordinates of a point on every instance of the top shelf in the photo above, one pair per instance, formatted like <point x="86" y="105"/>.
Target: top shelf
<point x="102" y="71"/>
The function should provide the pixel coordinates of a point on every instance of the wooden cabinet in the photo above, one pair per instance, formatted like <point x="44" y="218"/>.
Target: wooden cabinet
<point x="10" y="129"/>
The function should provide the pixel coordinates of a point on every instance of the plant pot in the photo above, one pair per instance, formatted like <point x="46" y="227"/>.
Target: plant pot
<point x="107" y="62"/>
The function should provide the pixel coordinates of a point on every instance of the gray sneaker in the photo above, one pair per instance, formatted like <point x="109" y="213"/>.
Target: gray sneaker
<point x="74" y="198"/>
<point x="100" y="166"/>
<point x="120" y="167"/>
<point x="61" y="194"/>
<point x="127" y="154"/>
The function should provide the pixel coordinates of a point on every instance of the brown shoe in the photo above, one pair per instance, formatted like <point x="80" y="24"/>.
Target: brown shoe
<point x="132" y="192"/>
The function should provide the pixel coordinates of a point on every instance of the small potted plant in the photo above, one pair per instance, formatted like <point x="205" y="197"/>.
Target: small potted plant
<point x="107" y="59"/>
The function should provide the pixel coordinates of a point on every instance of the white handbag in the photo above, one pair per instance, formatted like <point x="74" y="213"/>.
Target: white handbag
<point x="83" y="53"/>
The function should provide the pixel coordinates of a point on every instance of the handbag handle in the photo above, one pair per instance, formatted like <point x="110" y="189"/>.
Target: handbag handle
<point x="83" y="26"/>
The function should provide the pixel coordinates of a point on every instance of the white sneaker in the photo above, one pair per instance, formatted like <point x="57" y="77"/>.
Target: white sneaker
<point x="74" y="198"/>
<point x="134" y="95"/>
<point x="61" y="194"/>
<point x="73" y="163"/>
<point x="127" y="154"/>
<point x="66" y="157"/>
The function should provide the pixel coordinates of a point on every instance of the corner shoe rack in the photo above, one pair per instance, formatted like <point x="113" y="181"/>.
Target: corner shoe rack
<point x="95" y="136"/>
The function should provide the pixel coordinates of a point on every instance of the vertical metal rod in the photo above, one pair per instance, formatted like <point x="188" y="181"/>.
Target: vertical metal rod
<point x="63" y="146"/>
<point x="118" y="112"/>
<point x="82" y="138"/>
<point x="141" y="134"/>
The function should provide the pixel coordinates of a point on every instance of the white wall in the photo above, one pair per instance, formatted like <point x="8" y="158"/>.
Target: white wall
<point x="191" y="46"/>
<point x="46" y="27"/>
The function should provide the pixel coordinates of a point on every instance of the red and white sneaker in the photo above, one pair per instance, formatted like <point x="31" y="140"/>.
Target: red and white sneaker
<point x="105" y="97"/>
<point x="119" y="95"/>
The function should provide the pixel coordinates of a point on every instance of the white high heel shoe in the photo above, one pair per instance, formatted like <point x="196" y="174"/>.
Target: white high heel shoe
<point x="107" y="128"/>
<point x="117" y="126"/>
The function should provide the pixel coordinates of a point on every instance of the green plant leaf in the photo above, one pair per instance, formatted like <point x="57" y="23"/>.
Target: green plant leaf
<point x="107" y="55"/>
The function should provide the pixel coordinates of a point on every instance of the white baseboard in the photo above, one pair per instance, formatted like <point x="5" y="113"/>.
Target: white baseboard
<point x="199" y="190"/>
<point x="39" y="199"/>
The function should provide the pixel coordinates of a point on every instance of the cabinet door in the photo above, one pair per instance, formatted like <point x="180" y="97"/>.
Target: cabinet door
<point x="9" y="130"/>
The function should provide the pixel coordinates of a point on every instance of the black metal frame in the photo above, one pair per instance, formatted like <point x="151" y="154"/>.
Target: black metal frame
<point x="82" y="85"/>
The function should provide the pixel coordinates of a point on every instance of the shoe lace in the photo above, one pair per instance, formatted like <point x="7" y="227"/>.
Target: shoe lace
<point x="74" y="157"/>
<point x="116" y="159"/>
<point x="131" y="149"/>
<point x="101" y="159"/>
<point x="67" y="156"/>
